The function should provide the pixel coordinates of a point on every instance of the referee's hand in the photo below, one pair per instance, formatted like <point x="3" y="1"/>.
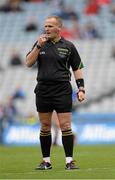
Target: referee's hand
<point x="42" y="39"/>
<point x="81" y="95"/>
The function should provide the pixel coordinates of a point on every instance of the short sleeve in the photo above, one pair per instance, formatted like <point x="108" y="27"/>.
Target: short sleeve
<point x="75" y="60"/>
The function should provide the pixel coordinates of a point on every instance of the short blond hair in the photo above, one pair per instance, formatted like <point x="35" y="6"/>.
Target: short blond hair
<point x="58" y="19"/>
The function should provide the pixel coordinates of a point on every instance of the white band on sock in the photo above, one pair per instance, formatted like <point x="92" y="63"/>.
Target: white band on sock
<point x="46" y="159"/>
<point x="69" y="159"/>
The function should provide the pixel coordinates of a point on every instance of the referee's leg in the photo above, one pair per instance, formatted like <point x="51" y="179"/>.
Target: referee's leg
<point x="45" y="134"/>
<point x="63" y="106"/>
<point x="45" y="140"/>
<point x="45" y="110"/>
<point x="67" y="139"/>
<point x="67" y="135"/>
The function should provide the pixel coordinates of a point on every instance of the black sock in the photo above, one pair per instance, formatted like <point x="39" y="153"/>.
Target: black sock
<point x="67" y="140"/>
<point x="45" y="141"/>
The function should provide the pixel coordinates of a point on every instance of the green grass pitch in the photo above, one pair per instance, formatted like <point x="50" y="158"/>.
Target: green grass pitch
<point x="96" y="162"/>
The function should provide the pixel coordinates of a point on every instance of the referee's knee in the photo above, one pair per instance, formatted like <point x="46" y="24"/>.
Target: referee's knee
<point x="65" y="126"/>
<point x="46" y="127"/>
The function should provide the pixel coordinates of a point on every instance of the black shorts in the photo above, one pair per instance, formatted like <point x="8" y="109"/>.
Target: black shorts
<point x="59" y="104"/>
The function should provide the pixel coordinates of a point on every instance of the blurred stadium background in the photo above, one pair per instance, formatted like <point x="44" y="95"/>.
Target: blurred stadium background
<point x="90" y="24"/>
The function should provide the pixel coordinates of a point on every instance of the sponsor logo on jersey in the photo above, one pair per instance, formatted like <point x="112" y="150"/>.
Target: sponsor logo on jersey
<point x="42" y="52"/>
<point x="63" y="52"/>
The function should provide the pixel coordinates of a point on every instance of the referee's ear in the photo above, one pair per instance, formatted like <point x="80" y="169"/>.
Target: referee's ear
<point x="59" y="29"/>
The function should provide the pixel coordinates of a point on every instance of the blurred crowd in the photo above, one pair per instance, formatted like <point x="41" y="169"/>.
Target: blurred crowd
<point x="73" y="28"/>
<point x="10" y="113"/>
<point x="75" y="31"/>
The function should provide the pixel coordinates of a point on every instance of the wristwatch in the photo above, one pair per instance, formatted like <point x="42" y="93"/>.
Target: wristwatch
<point x="38" y="46"/>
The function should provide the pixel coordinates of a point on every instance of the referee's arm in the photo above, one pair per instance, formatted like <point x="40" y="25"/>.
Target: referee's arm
<point x="78" y="75"/>
<point x="32" y="56"/>
<point x="80" y="84"/>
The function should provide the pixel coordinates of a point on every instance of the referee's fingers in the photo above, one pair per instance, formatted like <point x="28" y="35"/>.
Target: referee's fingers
<point x="80" y="96"/>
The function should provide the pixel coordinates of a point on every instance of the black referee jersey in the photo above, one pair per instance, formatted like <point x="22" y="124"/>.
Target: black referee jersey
<point x="54" y="61"/>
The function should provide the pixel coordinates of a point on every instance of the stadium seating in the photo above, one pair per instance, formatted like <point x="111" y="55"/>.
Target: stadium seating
<point x="96" y="55"/>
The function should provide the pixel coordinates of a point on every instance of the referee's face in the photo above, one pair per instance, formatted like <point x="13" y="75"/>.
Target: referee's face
<point x="52" y="29"/>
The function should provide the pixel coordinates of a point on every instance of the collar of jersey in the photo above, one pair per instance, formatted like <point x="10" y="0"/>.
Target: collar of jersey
<point x="61" y="40"/>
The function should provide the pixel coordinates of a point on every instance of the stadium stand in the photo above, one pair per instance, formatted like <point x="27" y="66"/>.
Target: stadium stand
<point x="96" y="55"/>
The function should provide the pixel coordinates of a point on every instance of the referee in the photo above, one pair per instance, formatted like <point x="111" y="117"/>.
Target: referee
<point x="54" y="56"/>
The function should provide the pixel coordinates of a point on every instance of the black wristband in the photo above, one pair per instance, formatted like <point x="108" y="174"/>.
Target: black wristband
<point x="80" y="83"/>
<point x="38" y="46"/>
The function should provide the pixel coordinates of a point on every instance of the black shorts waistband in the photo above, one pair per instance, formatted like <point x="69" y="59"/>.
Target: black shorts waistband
<point x="52" y="82"/>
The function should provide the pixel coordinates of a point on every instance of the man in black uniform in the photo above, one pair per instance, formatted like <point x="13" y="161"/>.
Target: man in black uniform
<point x="54" y="56"/>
